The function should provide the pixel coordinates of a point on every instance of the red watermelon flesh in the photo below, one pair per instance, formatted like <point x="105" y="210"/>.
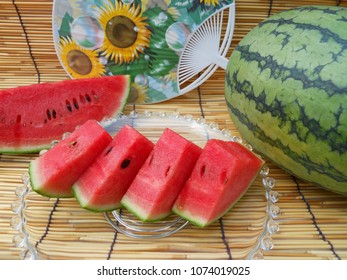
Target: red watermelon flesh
<point x="54" y="173"/>
<point x="32" y="116"/>
<point x="154" y="190"/>
<point x="221" y="176"/>
<point x="104" y="183"/>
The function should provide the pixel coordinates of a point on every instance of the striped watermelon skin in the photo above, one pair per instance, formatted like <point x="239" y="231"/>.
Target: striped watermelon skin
<point x="286" y="92"/>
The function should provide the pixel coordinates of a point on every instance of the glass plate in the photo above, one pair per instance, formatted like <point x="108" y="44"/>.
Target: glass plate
<point x="50" y="228"/>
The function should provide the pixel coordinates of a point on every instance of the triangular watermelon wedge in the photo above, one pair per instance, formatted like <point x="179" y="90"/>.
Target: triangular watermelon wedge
<point x="102" y="186"/>
<point x="155" y="188"/>
<point x="223" y="173"/>
<point x="53" y="173"/>
<point x="31" y="117"/>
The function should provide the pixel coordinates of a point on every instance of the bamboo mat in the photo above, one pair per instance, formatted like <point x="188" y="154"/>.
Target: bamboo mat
<point x="312" y="222"/>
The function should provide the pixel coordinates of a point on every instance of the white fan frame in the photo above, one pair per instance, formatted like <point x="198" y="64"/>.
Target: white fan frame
<point x="203" y="51"/>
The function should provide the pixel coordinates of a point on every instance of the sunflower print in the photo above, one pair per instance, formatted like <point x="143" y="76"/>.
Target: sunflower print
<point x="210" y="2"/>
<point x="79" y="62"/>
<point x="126" y="32"/>
<point x="138" y="94"/>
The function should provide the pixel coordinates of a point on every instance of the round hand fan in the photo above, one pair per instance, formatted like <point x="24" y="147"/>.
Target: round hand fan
<point x="169" y="47"/>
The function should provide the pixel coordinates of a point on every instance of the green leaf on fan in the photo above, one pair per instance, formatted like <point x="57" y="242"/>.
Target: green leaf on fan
<point x="140" y="65"/>
<point x="179" y="4"/>
<point x="189" y="12"/>
<point x="157" y="26"/>
<point x="64" y="30"/>
<point x="190" y="18"/>
<point x="162" y="67"/>
<point x="164" y="58"/>
<point x="137" y="3"/>
<point x="156" y="96"/>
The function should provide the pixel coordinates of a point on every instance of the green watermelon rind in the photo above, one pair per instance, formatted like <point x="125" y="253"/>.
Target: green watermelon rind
<point x="199" y="222"/>
<point x="139" y="212"/>
<point x="24" y="149"/>
<point x="84" y="203"/>
<point x="36" y="184"/>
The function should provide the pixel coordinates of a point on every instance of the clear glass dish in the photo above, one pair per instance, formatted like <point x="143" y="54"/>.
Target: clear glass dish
<point x="50" y="228"/>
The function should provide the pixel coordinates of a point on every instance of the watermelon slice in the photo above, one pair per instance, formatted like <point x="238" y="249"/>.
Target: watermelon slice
<point x="222" y="174"/>
<point x="104" y="183"/>
<point x="53" y="173"/>
<point x="154" y="190"/>
<point x="32" y="116"/>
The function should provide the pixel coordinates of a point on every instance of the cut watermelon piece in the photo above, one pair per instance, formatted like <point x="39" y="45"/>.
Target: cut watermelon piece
<point x="104" y="183"/>
<point x="154" y="190"/>
<point x="221" y="176"/>
<point x="54" y="173"/>
<point x="31" y="117"/>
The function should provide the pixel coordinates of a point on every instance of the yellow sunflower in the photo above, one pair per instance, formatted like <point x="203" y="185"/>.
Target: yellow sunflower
<point x="80" y="62"/>
<point x="138" y="94"/>
<point x="210" y="2"/>
<point x="126" y="32"/>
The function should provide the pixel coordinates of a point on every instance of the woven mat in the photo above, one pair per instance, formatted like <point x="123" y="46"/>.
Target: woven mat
<point x="312" y="222"/>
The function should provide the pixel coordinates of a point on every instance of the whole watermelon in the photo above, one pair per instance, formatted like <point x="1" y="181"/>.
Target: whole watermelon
<point x="286" y="92"/>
